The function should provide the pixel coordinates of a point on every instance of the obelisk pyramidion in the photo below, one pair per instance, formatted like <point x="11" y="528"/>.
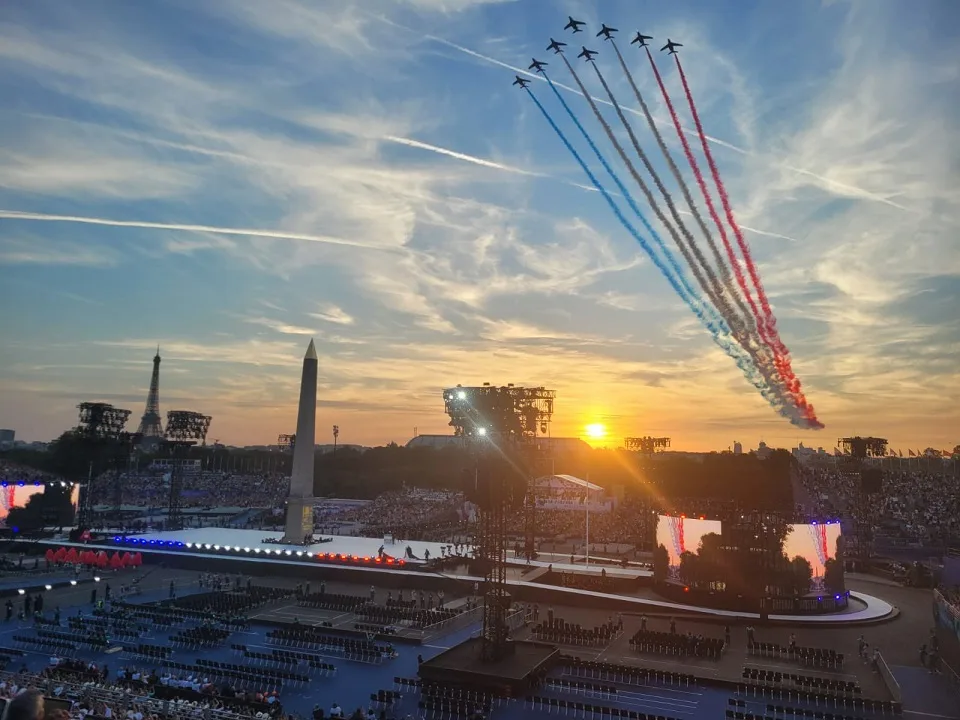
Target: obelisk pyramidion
<point x="300" y="501"/>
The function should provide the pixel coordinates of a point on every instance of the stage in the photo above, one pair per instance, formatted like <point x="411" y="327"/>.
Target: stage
<point x="353" y="559"/>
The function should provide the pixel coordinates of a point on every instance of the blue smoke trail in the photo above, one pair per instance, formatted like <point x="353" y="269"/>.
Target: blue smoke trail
<point x="720" y="335"/>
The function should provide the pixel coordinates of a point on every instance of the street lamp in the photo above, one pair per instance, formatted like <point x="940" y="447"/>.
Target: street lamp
<point x="336" y="434"/>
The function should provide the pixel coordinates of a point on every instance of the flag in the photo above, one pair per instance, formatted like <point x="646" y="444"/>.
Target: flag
<point x="836" y="452"/>
<point x="911" y="453"/>
<point x="901" y="453"/>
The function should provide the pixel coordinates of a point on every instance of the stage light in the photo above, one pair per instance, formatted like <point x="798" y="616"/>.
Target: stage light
<point x="246" y="549"/>
<point x="461" y="395"/>
<point x="256" y="550"/>
<point x="299" y="553"/>
<point x="48" y="587"/>
<point x="596" y="431"/>
<point x="189" y="545"/>
<point x="288" y="552"/>
<point x="22" y="591"/>
<point x="215" y="547"/>
<point x="96" y="578"/>
<point x="73" y="582"/>
<point x="481" y="431"/>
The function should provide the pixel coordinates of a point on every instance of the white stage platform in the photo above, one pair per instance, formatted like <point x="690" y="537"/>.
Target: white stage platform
<point x="254" y="540"/>
<point x="249" y="541"/>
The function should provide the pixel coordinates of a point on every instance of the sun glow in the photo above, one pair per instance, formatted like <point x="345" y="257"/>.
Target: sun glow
<point x="596" y="431"/>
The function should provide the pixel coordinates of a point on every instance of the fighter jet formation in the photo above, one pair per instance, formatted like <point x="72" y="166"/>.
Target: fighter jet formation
<point x="723" y="288"/>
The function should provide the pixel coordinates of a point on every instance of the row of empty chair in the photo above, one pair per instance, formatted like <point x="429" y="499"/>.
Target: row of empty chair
<point x="807" y="682"/>
<point x="582" y="709"/>
<point x="819" y="699"/>
<point x="627" y="674"/>
<point x="817" y="657"/>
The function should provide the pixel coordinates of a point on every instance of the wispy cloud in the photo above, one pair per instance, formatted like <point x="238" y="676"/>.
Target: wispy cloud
<point x="279" y="326"/>
<point x="36" y="250"/>
<point x="333" y="314"/>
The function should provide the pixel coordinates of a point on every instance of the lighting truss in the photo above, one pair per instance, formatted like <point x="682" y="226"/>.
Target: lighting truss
<point x="864" y="447"/>
<point x="185" y="426"/>
<point x="647" y="445"/>
<point x="506" y="412"/>
<point x="101" y="420"/>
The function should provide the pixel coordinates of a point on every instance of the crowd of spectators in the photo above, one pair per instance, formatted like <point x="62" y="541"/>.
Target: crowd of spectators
<point x="914" y="507"/>
<point x="203" y="489"/>
<point x="11" y="472"/>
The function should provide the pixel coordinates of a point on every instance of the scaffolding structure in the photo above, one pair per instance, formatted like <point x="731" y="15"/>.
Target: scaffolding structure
<point x="504" y="412"/>
<point x="646" y="444"/>
<point x="185" y="429"/>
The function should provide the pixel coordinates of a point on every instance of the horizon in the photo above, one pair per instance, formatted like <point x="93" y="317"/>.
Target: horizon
<point x="228" y="180"/>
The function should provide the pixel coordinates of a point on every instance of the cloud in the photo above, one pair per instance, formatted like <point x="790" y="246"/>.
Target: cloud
<point x="333" y="314"/>
<point x="36" y="250"/>
<point x="279" y="327"/>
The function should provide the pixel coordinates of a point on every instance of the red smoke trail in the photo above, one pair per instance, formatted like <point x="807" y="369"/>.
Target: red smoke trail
<point x="782" y="354"/>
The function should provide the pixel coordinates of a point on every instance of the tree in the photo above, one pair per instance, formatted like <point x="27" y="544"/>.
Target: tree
<point x="661" y="563"/>
<point x="690" y="568"/>
<point x="801" y="575"/>
<point x="833" y="576"/>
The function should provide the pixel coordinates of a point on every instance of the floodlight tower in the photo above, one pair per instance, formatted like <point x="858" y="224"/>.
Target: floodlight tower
<point x="857" y="451"/>
<point x="501" y="426"/>
<point x="646" y="445"/>
<point x="106" y="444"/>
<point x="184" y="430"/>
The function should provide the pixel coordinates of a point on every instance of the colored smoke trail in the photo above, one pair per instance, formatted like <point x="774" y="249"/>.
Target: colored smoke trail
<point x="633" y="172"/>
<point x="684" y="188"/>
<point x="719" y="335"/>
<point x="711" y="209"/>
<point x="783" y="355"/>
<point x="697" y="262"/>
<point x="754" y="344"/>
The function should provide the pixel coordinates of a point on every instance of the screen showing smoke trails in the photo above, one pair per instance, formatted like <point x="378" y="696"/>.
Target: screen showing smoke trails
<point x="679" y="534"/>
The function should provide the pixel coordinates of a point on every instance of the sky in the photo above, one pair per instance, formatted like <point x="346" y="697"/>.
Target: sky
<point x="228" y="179"/>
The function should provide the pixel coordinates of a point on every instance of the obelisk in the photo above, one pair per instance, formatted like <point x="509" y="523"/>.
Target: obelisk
<point x="300" y="500"/>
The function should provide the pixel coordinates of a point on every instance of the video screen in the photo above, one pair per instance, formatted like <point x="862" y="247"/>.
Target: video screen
<point x="15" y="495"/>
<point x="679" y="534"/>
<point x="815" y="542"/>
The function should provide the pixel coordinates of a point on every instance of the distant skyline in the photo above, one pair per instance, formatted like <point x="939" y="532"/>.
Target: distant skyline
<point x="229" y="179"/>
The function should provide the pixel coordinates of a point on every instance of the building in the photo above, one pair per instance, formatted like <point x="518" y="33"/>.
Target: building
<point x="737" y="448"/>
<point x="7" y="438"/>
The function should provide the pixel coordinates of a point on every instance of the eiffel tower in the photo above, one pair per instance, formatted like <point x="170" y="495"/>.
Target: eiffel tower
<point x="151" y="427"/>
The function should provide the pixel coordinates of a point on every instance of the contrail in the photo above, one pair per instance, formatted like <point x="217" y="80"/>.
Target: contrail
<point x="243" y="232"/>
<point x="482" y="162"/>
<point x="719" y="334"/>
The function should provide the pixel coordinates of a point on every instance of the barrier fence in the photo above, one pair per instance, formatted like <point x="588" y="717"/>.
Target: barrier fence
<point x="888" y="679"/>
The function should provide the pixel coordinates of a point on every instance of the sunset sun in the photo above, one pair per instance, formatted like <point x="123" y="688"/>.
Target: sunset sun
<point x="596" y="431"/>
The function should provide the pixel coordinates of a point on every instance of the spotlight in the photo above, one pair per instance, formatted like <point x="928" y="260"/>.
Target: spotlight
<point x="481" y="431"/>
<point x="461" y="395"/>
<point x="96" y="578"/>
<point x="48" y="587"/>
<point x="73" y="582"/>
<point x="22" y="591"/>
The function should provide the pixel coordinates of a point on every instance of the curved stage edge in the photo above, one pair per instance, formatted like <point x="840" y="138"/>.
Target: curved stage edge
<point x="876" y="610"/>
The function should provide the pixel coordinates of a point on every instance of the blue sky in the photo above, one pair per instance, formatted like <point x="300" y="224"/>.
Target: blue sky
<point x="229" y="179"/>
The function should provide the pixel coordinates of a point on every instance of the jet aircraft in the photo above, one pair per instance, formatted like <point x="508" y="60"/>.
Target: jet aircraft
<point x="521" y="82"/>
<point x="555" y="46"/>
<point x="642" y="39"/>
<point x="573" y="24"/>
<point x="607" y="32"/>
<point x="587" y="54"/>
<point x="537" y="65"/>
<point x="672" y="45"/>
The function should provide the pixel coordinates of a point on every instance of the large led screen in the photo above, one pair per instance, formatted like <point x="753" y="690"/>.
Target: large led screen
<point x="680" y="534"/>
<point x="816" y="543"/>
<point x="15" y="495"/>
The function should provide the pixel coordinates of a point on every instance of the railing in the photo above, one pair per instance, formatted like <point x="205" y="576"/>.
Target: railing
<point x="455" y="623"/>
<point x="888" y="679"/>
